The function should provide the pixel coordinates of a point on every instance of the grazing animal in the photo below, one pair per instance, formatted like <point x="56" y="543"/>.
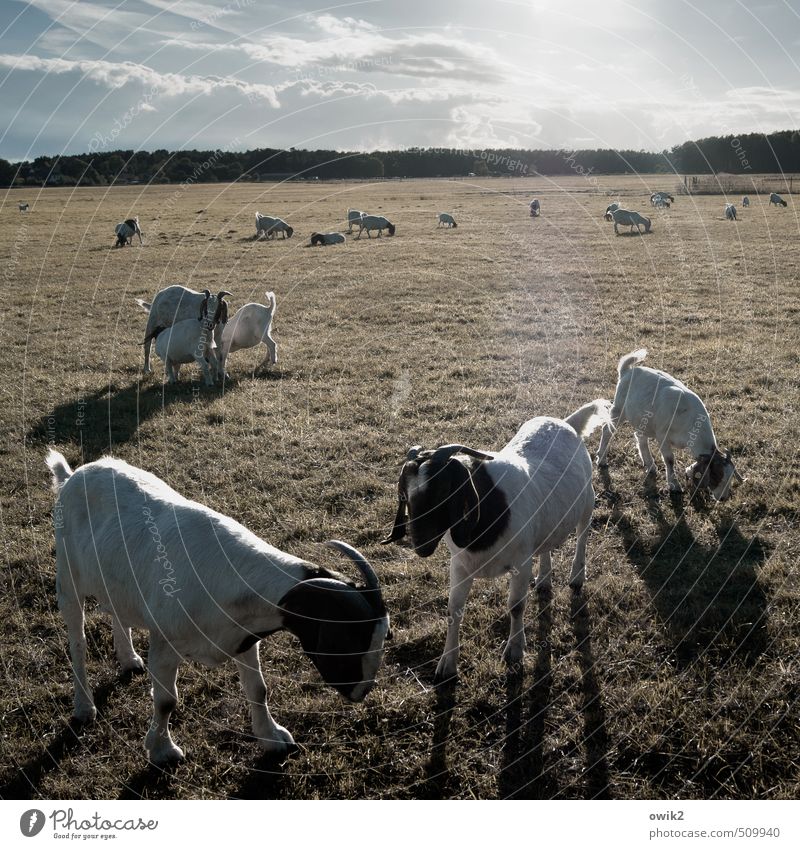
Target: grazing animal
<point x="206" y="588"/>
<point x="730" y="212"/>
<point x="496" y="511"/>
<point x="745" y="201"/>
<point x="173" y="304"/>
<point x="126" y="230"/>
<point x="660" y="407"/>
<point x="24" y="207"/>
<point x="327" y="238"/>
<point x="188" y="340"/>
<point x="661" y="199"/>
<point x="611" y="209"/>
<point x="269" y="226"/>
<point x="630" y="218"/>
<point x="374" y="222"/>
<point x="535" y="208"/>
<point x="250" y="326"/>
<point x="354" y="216"/>
<point x="777" y="199"/>
<point x="447" y="219"/>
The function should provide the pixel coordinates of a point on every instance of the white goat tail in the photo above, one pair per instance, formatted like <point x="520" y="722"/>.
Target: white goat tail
<point x="60" y="469"/>
<point x="590" y="416"/>
<point x="631" y="360"/>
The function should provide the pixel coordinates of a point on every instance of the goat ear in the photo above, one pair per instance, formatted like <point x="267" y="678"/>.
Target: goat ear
<point x="399" y="529"/>
<point x="465" y="506"/>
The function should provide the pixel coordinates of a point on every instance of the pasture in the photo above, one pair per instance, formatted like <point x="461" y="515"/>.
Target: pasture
<point x="675" y="673"/>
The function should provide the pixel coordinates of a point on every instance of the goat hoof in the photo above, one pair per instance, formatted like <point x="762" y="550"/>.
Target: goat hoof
<point x="576" y="585"/>
<point x="602" y="464"/>
<point x="168" y="758"/>
<point x="675" y="487"/>
<point x="543" y="586"/>
<point x="84" y="716"/>
<point x="135" y="666"/>
<point x="513" y="654"/>
<point x="445" y="675"/>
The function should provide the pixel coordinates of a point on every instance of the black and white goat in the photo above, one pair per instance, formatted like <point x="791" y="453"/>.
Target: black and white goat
<point x="206" y="588"/>
<point x="354" y="216"/>
<point x="327" y="238"/>
<point x="269" y="226"/>
<point x="496" y="511"/>
<point x="660" y="407"/>
<point x="374" y="222"/>
<point x="24" y="207"/>
<point x="776" y="199"/>
<point x="535" y="208"/>
<point x="730" y="212"/>
<point x="630" y="218"/>
<point x="174" y="304"/>
<point x="126" y="230"/>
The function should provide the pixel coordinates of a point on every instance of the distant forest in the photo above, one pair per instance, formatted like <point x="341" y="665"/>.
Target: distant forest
<point x="752" y="153"/>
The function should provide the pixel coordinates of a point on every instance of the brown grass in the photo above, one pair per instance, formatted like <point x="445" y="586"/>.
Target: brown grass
<point x="675" y="674"/>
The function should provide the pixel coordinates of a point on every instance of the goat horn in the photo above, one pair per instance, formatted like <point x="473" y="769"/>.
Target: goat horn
<point x="368" y="573"/>
<point x="223" y="293"/>
<point x="445" y="452"/>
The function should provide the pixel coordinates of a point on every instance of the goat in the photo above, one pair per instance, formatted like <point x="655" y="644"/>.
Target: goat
<point x="327" y="238"/>
<point x="661" y="199"/>
<point x="173" y="304"/>
<point x="660" y="407"/>
<point x="730" y="212"/>
<point x="610" y="209"/>
<point x="447" y="219"/>
<point x="187" y="340"/>
<point x="535" y="208"/>
<point x="206" y="588"/>
<point x="745" y="201"/>
<point x="496" y="511"/>
<point x="633" y="219"/>
<point x="777" y="199"/>
<point x="24" y="207"/>
<point x="126" y="230"/>
<point x="270" y="226"/>
<point x="354" y="216"/>
<point x="250" y="326"/>
<point x="374" y="222"/>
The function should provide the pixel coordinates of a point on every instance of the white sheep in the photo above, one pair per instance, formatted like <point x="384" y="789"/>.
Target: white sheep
<point x="192" y="340"/>
<point x="660" y="407"/>
<point x="126" y="230"/>
<point x="327" y="238"/>
<point x="730" y="212"/>
<point x="777" y="199"/>
<point x="374" y="222"/>
<point x="745" y="201"/>
<point x="173" y="304"/>
<point x="446" y="219"/>
<point x="354" y="216"/>
<point x="496" y="511"/>
<point x="269" y="226"/>
<point x="630" y="218"/>
<point x="206" y="589"/>
<point x="535" y="208"/>
<point x="250" y="326"/>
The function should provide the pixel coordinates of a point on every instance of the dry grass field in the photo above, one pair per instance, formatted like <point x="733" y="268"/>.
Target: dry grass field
<point x="675" y="673"/>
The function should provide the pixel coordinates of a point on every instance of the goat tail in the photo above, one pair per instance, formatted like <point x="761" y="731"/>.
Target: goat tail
<point x="591" y="416"/>
<point x="631" y="360"/>
<point x="59" y="468"/>
<point x="145" y="305"/>
<point x="271" y="301"/>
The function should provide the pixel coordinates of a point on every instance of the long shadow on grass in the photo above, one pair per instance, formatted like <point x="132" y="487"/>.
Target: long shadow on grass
<point x="26" y="781"/>
<point x="707" y="596"/>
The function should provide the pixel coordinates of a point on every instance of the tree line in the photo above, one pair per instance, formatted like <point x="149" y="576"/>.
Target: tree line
<point x="748" y="153"/>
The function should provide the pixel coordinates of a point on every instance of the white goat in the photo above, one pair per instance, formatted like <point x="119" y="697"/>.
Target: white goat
<point x="630" y="218"/>
<point x="745" y="201"/>
<point x="250" y="326"/>
<point x="354" y="216"/>
<point x="496" y="511"/>
<point x="777" y="199"/>
<point x="374" y="222"/>
<point x="173" y="304"/>
<point x="24" y="207"/>
<point x="188" y="340"/>
<point x="206" y="588"/>
<point x="660" y="407"/>
<point x="270" y="226"/>
<point x="661" y="199"/>
<point x="327" y="238"/>
<point x="730" y="212"/>
<point x="535" y="208"/>
<point x="126" y="230"/>
<point x="447" y="219"/>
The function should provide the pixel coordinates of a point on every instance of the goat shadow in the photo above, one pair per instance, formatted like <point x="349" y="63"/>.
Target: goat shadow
<point x="109" y="417"/>
<point x="707" y="596"/>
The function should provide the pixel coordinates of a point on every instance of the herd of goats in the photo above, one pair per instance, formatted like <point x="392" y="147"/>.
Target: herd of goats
<point x="209" y="590"/>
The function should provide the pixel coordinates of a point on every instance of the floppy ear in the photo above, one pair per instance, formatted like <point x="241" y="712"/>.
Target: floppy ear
<point x="465" y="508"/>
<point x="400" y="519"/>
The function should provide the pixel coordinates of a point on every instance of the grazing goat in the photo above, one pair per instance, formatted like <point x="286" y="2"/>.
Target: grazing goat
<point x="250" y="326"/>
<point x="611" y="209"/>
<point x="173" y="304"/>
<point x="661" y="199"/>
<point x="535" y="208"/>
<point x="270" y="226"/>
<point x="660" y="407"/>
<point x="630" y="218"/>
<point x="777" y="199"/>
<point x="327" y="238"/>
<point x="189" y="340"/>
<point x="447" y="219"/>
<point x="354" y="216"/>
<point x="374" y="222"/>
<point x="24" y="207"/>
<point x="730" y="212"/>
<point x="207" y="590"/>
<point x="126" y="230"/>
<point x="496" y="511"/>
<point x="745" y="201"/>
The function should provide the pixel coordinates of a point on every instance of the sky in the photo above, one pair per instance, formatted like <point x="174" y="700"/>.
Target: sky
<point x="378" y="74"/>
